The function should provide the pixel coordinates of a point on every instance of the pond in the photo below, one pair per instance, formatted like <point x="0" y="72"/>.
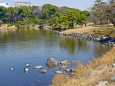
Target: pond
<point x="34" y="47"/>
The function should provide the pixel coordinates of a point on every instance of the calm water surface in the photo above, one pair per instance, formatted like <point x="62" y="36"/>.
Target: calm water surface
<point x="34" y="47"/>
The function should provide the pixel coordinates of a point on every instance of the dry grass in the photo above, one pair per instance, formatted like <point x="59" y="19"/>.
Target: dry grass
<point x="97" y="70"/>
<point x="105" y="30"/>
<point x="5" y="26"/>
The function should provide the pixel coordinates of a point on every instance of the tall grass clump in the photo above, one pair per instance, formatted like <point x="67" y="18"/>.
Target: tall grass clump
<point x="97" y="70"/>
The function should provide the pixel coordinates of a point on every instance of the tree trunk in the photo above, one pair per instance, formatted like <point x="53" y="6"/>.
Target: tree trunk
<point x="85" y="24"/>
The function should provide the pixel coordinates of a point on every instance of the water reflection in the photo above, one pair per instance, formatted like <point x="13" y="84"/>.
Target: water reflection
<point x="49" y="40"/>
<point x="82" y="46"/>
<point x="34" y="47"/>
<point x="102" y="48"/>
<point x="73" y="45"/>
<point x="68" y="43"/>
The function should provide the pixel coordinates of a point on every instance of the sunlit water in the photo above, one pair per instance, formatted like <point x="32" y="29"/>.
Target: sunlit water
<point x="34" y="47"/>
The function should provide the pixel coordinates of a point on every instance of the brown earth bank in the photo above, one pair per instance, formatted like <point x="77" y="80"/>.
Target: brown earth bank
<point x="100" y="72"/>
<point x="102" y="33"/>
<point x="99" y="30"/>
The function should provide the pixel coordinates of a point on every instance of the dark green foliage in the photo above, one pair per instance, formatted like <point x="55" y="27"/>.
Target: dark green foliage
<point x="3" y="14"/>
<point x="51" y="15"/>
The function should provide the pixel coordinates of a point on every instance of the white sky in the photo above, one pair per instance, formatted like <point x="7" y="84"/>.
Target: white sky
<point x="79" y="4"/>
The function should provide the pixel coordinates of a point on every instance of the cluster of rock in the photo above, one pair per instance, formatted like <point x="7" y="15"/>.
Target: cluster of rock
<point x="64" y="66"/>
<point x="105" y="40"/>
<point x="105" y="83"/>
<point x="52" y="63"/>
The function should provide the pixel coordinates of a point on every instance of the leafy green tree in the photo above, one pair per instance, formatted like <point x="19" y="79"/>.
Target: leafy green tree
<point x="3" y="14"/>
<point x="48" y="10"/>
<point x="54" y="20"/>
<point x="70" y="19"/>
<point x="25" y="16"/>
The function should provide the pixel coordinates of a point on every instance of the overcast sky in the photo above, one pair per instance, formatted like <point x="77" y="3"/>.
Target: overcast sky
<point x="79" y="4"/>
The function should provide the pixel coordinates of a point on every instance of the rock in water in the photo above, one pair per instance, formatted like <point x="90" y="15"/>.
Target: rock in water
<point x="63" y="67"/>
<point x="59" y="72"/>
<point x="38" y="67"/>
<point x="43" y="71"/>
<point x="55" y="69"/>
<point x="51" y="62"/>
<point x="64" y="62"/>
<point x="67" y="70"/>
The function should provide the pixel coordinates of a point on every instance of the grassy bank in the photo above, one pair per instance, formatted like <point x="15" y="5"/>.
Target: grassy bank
<point x="100" y="30"/>
<point x="98" y="70"/>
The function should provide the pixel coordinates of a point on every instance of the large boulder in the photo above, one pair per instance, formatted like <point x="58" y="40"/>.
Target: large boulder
<point x="51" y="62"/>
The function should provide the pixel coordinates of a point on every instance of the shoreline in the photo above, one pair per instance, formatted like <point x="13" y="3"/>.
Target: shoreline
<point x="99" y="72"/>
<point x="110" y="41"/>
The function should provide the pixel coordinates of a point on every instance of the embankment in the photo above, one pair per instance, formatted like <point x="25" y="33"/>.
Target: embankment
<point x="97" y="71"/>
<point x="103" y="34"/>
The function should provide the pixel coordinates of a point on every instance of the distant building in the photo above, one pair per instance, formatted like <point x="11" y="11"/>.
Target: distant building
<point x="22" y="3"/>
<point x="4" y="4"/>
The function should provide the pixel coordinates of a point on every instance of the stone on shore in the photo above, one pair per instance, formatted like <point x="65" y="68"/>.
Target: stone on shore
<point x="113" y="65"/>
<point x="102" y="83"/>
<point x="71" y="74"/>
<point x="72" y="70"/>
<point x="97" y="39"/>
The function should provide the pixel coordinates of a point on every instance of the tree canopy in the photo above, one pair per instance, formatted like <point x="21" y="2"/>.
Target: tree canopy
<point x="56" y="17"/>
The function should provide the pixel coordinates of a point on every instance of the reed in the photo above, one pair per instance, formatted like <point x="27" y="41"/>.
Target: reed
<point x="97" y="70"/>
